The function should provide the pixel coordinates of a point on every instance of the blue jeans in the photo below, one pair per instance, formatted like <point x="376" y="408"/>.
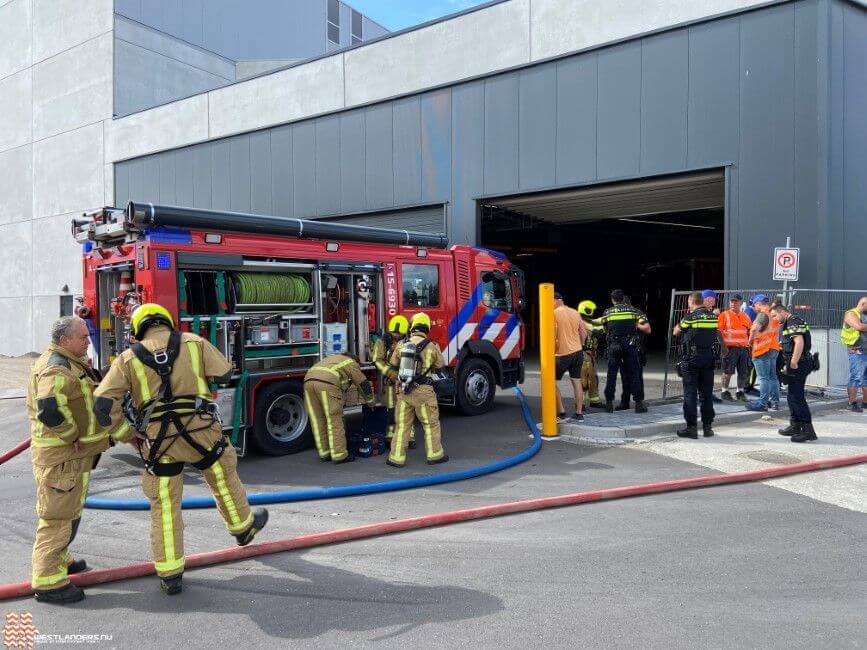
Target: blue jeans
<point x="766" y="371"/>
<point x="857" y="370"/>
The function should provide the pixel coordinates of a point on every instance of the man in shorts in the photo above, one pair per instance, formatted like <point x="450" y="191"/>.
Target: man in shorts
<point x="570" y="332"/>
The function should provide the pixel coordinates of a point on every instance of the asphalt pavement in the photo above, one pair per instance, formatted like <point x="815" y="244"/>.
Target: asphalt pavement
<point x="736" y="566"/>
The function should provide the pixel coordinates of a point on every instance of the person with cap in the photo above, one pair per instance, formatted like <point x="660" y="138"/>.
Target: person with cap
<point x="734" y="325"/>
<point x="595" y="332"/>
<point x="700" y="342"/>
<point x="569" y="336"/>
<point x="708" y="298"/>
<point x="166" y="373"/>
<point x="765" y="342"/>
<point x="795" y="347"/>
<point x="398" y="327"/>
<point x="854" y="337"/>
<point x="623" y="325"/>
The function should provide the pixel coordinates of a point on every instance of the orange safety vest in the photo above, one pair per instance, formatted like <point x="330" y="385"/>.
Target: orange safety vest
<point x="735" y="328"/>
<point x="767" y="340"/>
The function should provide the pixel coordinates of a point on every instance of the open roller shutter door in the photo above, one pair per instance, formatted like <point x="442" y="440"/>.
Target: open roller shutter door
<point x="430" y="218"/>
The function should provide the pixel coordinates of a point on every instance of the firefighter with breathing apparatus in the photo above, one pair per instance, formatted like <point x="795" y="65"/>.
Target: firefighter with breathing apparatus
<point x="383" y="348"/>
<point x="166" y="374"/>
<point x="589" y="378"/>
<point x="418" y="360"/>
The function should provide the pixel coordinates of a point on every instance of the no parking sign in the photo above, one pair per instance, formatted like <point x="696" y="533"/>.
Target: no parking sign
<point x="786" y="264"/>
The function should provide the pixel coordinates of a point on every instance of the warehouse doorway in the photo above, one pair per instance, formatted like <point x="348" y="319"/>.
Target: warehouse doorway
<point x="646" y="236"/>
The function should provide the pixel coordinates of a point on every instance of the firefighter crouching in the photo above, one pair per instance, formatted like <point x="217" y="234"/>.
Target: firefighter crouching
<point x="700" y="345"/>
<point x="589" y="378"/>
<point x="417" y="359"/>
<point x="66" y="443"/>
<point x="398" y="327"/>
<point x="166" y="373"/>
<point x="325" y="386"/>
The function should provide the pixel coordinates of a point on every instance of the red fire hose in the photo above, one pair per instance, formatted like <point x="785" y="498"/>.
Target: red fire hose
<point x="21" y="589"/>
<point x="12" y="453"/>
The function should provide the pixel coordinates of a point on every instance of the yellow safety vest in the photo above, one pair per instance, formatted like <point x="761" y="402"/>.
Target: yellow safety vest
<point x="849" y="335"/>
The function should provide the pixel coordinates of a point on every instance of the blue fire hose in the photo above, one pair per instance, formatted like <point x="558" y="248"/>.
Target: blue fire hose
<point x="339" y="491"/>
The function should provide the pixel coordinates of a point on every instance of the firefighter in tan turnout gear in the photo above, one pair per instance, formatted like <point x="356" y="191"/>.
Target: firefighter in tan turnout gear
<point x="65" y="443"/>
<point x="417" y="359"/>
<point x="325" y="386"/>
<point x="166" y="373"/>
<point x="398" y="327"/>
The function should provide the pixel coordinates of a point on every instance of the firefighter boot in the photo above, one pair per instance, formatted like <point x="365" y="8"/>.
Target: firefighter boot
<point x="67" y="594"/>
<point x="791" y="430"/>
<point x="173" y="585"/>
<point x="77" y="566"/>
<point x="260" y="518"/>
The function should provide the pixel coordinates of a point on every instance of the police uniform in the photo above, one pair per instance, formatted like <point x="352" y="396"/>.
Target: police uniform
<point x="325" y="386"/>
<point x="59" y="405"/>
<point x="801" y="427"/>
<point x="621" y="329"/>
<point x="166" y="374"/>
<point x="699" y="343"/>
<point x="418" y="400"/>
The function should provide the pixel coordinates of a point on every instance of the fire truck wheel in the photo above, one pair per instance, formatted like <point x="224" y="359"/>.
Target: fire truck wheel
<point x="475" y="387"/>
<point x="281" y="425"/>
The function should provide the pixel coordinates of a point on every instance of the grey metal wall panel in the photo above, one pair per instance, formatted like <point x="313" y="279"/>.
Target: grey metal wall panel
<point x="379" y="158"/>
<point x="714" y="92"/>
<point x="282" y="176"/>
<point x="202" y="188"/>
<point x="304" y="168"/>
<point x="427" y="219"/>
<point x="260" y="173"/>
<point x="436" y="146"/>
<point x="328" y="165"/>
<point x="664" y="99"/>
<point x="407" y="151"/>
<point x="239" y="173"/>
<point x="468" y="158"/>
<point x="576" y="119"/>
<point x="537" y="126"/>
<point x="836" y="146"/>
<point x="220" y="174"/>
<point x="501" y="131"/>
<point x="150" y="179"/>
<point x="192" y="25"/>
<point x="619" y="111"/>
<point x="168" y="176"/>
<point x="121" y="184"/>
<point x="185" y="163"/>
<point x="345" y="24"/>
<point x="353" y="194"/>
<point x="767" y="137"/>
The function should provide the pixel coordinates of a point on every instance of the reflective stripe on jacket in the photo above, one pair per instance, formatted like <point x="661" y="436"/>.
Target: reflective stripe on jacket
<point x="735" y="328"/>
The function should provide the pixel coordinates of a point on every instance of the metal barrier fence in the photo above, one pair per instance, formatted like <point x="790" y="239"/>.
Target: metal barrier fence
<point x="823" y="309"/>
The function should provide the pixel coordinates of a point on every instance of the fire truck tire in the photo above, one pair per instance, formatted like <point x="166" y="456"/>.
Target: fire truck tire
<point x="476" y="386"/>
<point x="281" y="425"/>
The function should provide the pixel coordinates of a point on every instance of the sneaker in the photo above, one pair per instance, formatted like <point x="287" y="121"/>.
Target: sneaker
<point x="774" y="406"/>
<point x="756" y="406"/>
<point x="688" y="432"/>
<point x="640" y="406"/>
<point x="562" y="417"/>
<point x="856" y="407"/>
<point x="727" y="396"/>
<point x="172" y="585"/>
<point x="741" y="396"/>
<point x="576" y="417"/>
<point x="807" y="434"/>
<point x="67" y="594"/>
<point x="77" y="566"/>
<point x="260" y="518"/>
<point x="791" y="430"/>
<point x="707" y="430"/>
<point x="444" y="459"/>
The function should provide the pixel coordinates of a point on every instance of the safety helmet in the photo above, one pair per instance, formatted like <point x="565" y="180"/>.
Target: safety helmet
<point x="398" y="325"/>
<point x="586" y="307"/>
<point x="420" y="321"/>
<point x="149" y="314"/>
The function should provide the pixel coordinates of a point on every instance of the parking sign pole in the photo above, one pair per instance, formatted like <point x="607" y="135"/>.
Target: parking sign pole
<point x="786" y="282"/>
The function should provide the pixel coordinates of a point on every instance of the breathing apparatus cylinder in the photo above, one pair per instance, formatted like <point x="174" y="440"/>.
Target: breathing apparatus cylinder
<point x="406" y="369"/>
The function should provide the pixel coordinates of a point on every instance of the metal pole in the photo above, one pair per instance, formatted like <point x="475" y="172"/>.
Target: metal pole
<point x="668" y="346"/>
<point x="786" y="282"/>
<point x="546" y="360"/>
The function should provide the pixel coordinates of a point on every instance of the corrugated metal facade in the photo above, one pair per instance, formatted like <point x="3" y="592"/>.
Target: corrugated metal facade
<point x="761" y="93"/>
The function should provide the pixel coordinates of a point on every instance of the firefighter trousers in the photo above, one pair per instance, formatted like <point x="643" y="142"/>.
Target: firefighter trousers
<point x="421" y="403"/>
<point x="166" y="492"/>
<point x="324" y="403"/>
<point x="60" y="494"/>
<point x="389" y="400"/>
<point x="589" y="378"/>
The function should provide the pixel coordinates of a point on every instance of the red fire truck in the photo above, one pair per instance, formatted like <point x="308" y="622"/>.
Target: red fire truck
<point x="276" y="294"/>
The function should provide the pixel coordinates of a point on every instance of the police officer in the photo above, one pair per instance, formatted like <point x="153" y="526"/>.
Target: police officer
<point x="417" y="359"/>
<point x="325" y="386"/>
<point x="699" y="344"/>
<point x="398" y="327"/>
<point x="623" y="324"/>
<point x="166" y="373"/>
<point x="66" y="443"/>
<point x="798" y="363"/>
<point x="589" y="378"/>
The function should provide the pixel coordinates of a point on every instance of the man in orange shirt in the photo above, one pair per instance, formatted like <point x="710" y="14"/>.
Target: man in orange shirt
<point x="570" y="332"/>
<point x="734" y="325"/>
<point x="765" y="341"/>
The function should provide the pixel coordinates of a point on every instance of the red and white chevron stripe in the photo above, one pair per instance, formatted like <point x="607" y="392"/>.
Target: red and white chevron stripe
<point x="19" y="631"/>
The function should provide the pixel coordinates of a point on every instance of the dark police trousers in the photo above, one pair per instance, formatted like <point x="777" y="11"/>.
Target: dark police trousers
<point x="622" y="354"/>
<point x="698" y="380"/>
<point x="798" y="409"/>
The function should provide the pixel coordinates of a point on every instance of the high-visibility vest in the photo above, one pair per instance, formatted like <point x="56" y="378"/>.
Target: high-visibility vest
<point x="849" y="335"/>
<point x="735" y="331"/>
<point x="767" y="340"/>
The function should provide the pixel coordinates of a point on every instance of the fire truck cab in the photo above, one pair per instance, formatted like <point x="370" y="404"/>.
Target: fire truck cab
<point x="275" y="295"/>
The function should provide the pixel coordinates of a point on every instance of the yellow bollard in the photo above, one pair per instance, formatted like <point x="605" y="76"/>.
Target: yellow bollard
<point x="546" y="360"/>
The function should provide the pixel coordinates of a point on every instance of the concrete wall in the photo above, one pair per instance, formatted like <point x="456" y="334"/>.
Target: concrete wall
<point x="740" y="91"/>
<point x="55" y="94"/>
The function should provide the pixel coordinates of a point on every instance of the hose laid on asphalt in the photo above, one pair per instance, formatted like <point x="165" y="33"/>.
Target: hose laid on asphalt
<point x="102" y="576"/>
<point x="340" y="491"/>
<point x="12" y="453"/>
